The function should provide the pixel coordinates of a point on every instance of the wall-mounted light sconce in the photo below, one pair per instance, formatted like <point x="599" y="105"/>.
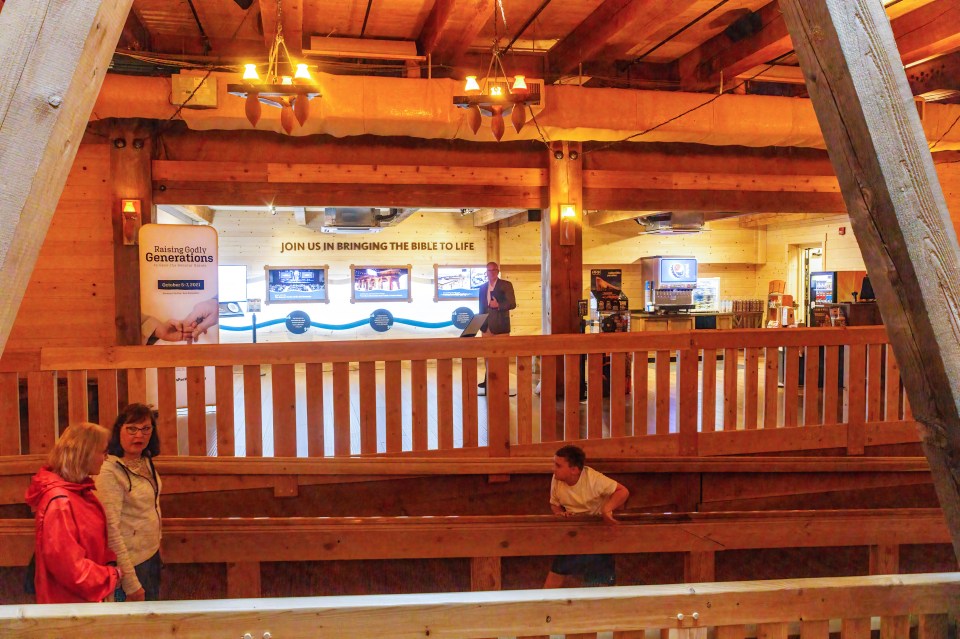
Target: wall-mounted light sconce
<point x="130" y="216"/>
<point x="568" y="224"/>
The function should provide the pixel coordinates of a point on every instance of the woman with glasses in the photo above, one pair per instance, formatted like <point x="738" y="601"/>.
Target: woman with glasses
<point x="129" y="487"/>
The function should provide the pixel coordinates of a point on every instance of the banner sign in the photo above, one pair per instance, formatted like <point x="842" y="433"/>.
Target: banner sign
<point x="178" y="284"/>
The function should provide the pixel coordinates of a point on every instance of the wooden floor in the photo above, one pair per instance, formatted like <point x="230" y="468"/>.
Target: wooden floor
<point x="267" y="417"/>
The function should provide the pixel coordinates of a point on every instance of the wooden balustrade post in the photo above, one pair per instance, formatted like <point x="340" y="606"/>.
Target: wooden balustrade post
<point x="687" y="401"/>
<point x="485" y="573"/>
<point x="243" y="580"/>
<point x="885" y="559"/>
<point x="699" y="566"/>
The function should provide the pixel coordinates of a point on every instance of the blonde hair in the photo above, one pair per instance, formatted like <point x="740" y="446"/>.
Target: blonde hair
<point x="71" y="454"/>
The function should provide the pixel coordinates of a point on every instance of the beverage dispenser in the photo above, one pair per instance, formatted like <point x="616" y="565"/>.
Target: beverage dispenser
<point x="668" y="283"/>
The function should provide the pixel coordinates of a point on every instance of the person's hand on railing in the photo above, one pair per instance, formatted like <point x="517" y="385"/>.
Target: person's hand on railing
<point x="608" y="518"/>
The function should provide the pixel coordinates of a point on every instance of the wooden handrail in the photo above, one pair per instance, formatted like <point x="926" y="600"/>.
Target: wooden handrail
<point x="197" y="540"/>
<point x="509" y="613"/>
<point x="865" y="406"/>
<point x="28" y="464"/>
<point x="122" y="357"/>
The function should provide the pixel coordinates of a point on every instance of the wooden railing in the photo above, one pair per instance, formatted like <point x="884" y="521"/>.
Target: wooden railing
<point x="672" y="393"/>
<point x="811" y="608"/>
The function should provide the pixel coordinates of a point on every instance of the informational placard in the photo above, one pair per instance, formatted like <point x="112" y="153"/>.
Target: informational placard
<point x="178" y="284"/>
<point x="458" y="282"/>
<point x="678" y="270"/>
<point x="296" y="284"/>
<point x="380" y="283"/>
<point x="606" y="279"/>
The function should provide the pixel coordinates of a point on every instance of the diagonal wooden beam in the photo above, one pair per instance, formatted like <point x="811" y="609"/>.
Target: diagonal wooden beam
<point x="720" y="56"/>
<point x="55" y="54"/>
<point x="896" y="205"/>
<point x="452" y="27"/>
<point x="609" y="20"/>
<point x="928" y="31"/>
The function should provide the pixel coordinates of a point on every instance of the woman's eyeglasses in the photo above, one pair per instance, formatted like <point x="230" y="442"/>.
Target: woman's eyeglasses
<point x="133" y="430"/>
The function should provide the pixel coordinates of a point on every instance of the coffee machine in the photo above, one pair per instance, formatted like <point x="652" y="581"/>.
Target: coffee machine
<point x="668" y="283"/>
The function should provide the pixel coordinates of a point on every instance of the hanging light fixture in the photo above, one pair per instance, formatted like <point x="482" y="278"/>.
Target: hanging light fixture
<point x="291" y="93"/>
<point x="496" y="96"/>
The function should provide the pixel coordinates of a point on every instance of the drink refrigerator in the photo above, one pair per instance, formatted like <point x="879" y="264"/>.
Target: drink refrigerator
<point x="823" y="290"/>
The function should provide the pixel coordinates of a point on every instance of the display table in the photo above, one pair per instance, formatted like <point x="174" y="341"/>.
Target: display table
<point x="641" y="321"/>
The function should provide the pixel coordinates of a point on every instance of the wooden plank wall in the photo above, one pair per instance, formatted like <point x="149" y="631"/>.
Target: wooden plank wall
<point x="70" y="300"/>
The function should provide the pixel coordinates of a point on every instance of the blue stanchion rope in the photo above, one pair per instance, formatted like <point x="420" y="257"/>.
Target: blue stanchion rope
<point x="340" y="327"/>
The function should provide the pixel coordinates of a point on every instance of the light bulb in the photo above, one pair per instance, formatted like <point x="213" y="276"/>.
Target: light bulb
<point x="302" y="72"/>
<point x="286" y="80"/>
<point x="568" y="210"/>
<point x="471" y="84"/>
<point x="496" y="90"/>
<point x="250" y="72"/>
<point x="519" y="83"/>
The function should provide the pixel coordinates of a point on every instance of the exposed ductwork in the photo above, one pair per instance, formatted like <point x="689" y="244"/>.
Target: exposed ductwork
<point x="423" y="108"/>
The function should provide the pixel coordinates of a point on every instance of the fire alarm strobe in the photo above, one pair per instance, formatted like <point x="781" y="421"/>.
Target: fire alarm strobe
<point x="843" y="230"/>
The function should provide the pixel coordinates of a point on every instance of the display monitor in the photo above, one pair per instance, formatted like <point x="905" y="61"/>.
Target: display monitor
<point x="380" y="283"/>
<point x="296" y="284"/>
<point x="678" y="270"/>
<point x="458" y="282"/>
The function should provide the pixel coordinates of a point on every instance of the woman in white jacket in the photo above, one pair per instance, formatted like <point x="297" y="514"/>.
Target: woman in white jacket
<point x="129" y="488"/>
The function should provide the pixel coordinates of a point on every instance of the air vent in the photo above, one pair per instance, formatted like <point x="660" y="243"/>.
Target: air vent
<point x="353" y="220"/>
<point x="676" y="223"/>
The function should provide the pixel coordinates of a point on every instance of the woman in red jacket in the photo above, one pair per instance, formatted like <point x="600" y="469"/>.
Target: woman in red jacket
<point x="71" y="545"/>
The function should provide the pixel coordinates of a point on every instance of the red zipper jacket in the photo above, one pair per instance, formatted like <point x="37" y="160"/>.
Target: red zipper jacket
<point x="71" y="543"/>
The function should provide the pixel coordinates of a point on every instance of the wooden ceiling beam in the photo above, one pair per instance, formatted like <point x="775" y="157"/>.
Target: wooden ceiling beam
<point x="928" y="31"/>
<point x="939" y="76"/>
<point x="609" y="20"/>
<point x="292" y="13"/>
<point x="720" y="56"/>
<point x="451" y="29"/>
<point x="135" y="35"/>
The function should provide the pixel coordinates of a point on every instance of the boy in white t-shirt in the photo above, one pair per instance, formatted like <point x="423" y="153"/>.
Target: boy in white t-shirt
<point x="580" y="490"/>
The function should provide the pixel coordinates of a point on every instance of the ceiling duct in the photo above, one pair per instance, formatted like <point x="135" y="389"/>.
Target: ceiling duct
<point x="354" y="220"/>
<point x="673" y="223"/>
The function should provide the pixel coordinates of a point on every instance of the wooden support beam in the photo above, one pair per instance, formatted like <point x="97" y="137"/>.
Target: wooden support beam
<point x="55" y="55"/>
<point x="562" y="243"/>
<point x="130" y="177"/>
<point x="611" y="19"/>
<point x="897" y="210"/>
<point x="493" y="242"/>
<point x="452" y="27"/>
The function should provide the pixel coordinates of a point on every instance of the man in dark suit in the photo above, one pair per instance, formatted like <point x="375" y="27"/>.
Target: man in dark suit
<point x="496" y="300"/>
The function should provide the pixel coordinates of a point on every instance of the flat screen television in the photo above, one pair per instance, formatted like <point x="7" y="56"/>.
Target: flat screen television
<point x="458" y="282"/>
<point x="296" y="284"/>
<point x="678" y="270"/>
<point x="380" y="283"/>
